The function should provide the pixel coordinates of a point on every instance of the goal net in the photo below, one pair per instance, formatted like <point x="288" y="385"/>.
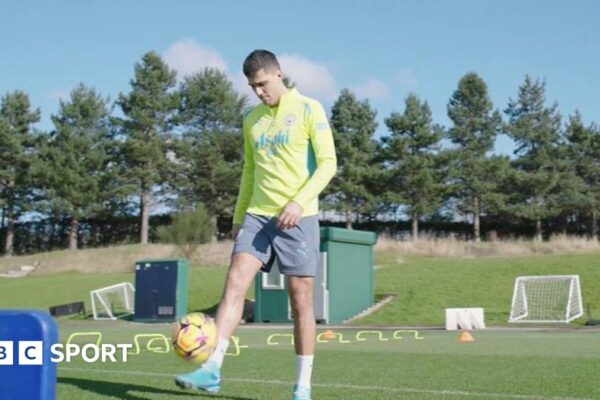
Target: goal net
<point x="113" y="302"/>
<point x="554" y="298"/>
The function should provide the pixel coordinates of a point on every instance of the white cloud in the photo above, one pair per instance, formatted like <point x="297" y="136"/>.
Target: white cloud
<point x="188" y="57"/>
<point x="372" y="89"/>
<point x="240" y="84"/>
<point x="406" y="79"/>
<point x="310" y="77"/>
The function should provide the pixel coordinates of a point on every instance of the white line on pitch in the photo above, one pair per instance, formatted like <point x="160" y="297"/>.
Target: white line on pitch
<point x="345" y="386"/>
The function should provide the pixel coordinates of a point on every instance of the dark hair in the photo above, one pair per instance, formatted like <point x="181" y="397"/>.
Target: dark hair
<point x="260" y="59"/>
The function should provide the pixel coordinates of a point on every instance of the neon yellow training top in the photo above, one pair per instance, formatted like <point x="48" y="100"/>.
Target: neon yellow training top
<point x="289" y="155"/>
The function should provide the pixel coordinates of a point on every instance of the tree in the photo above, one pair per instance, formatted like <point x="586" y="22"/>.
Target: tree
<point x="415" y="169"/>
<point x="353" y="125"/>
<point x="17" y="155"/>
<point x="583" y="148"/>
<point x="188" y="230"/>
<point x="76" y="158"/>
<point x="475" y="127"/>
<point x="148" y="111"/>
<point x="538" y="169"/>
<point x="209" y="153"/>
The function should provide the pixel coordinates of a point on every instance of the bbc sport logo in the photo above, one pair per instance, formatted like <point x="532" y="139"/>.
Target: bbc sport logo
<point x="32" y="352"/>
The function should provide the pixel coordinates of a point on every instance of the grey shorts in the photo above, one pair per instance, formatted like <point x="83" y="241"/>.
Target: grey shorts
<point x="296" y="249"/>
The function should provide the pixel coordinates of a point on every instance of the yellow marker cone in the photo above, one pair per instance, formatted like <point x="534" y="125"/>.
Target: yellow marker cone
<point x="465" y="336"/>
<point x="328" y="335"/>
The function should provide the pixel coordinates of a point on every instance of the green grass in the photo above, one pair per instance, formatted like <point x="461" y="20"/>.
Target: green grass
<point x="43" y="291"/>
<point x="508" y="365"/>
<point x="423" y="287"/>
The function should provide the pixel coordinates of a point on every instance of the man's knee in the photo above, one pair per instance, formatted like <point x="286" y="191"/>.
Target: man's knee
<point x="301" y="295"/>
<point x="234" y="286"/>
<point x="241" y="271"/>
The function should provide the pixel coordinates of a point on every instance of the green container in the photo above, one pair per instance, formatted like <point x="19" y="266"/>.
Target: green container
<point x="349" y="271"/>
<point x="271" y="298"/>
<point x="161" y="290"/>
<point x="343" y="286"/>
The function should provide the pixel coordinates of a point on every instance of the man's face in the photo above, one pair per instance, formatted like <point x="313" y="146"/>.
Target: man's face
<point x="267" y="86"/>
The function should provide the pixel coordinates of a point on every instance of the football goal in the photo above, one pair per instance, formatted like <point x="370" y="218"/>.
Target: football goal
<point x="555" y="298"/>
<point x="113" y="302"/>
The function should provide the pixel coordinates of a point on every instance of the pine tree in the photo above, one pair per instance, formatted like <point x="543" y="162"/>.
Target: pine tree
<point x="210" y="151"/>
<point x="411" y="152"/>
<point x="148" y="111"/>
<point x="538" y="168"/>
<point x="353" y="124"/>
<point x="475" y="127"/>
<point x="76" y="158"/>
<point x="583" y="149"/>
<point x="17" y="155"/>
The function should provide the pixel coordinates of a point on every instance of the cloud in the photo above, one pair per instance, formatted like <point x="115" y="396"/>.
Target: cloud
<point x="406" y="79"/>
<point x="240" y="84"/>
<point x="310" y="77"/>
<point x="372" y="89"/>
<point x="188" y="57"/>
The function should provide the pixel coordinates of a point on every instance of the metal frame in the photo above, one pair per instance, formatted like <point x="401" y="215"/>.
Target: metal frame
<point x="127" y="300"/>
<point x="574" y="284"/>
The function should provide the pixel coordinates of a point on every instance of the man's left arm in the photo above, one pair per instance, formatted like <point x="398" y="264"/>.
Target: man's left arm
<point x="322" y="143"/>
<point x="323" y="147"/>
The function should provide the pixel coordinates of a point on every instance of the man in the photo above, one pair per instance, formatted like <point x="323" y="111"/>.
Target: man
<point x="289" y="159"/>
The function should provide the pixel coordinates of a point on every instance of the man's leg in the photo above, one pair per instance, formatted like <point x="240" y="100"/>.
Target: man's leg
<point x="300" y="289"/>
<point x="240" y="275"/>
<point x="242" y="270"/>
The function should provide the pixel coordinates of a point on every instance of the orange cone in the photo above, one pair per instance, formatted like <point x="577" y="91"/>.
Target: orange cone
<point x="328" y="335"/>
<point x="465" y="336"/>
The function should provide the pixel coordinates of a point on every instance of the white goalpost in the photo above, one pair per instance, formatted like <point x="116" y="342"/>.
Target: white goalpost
<point x="544" y="299"/>
<point x="113" y="302"/>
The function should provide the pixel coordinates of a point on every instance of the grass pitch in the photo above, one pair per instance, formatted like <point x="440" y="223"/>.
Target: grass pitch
<point x="552" y="364"/>
<point x="369" y="364"/>
<point x="423" y="286"/>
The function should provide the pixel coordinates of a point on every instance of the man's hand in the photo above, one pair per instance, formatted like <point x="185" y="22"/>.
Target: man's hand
<point x="235" y="230"/>
<point x="290" y="215"/>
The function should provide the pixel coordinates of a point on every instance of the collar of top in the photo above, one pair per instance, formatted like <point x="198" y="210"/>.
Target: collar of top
<point x="291" y="93"/>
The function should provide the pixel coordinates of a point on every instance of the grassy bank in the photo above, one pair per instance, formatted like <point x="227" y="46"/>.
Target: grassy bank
<point x="423" y="286"/>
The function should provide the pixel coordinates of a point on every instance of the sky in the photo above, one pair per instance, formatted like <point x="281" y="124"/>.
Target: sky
<point x="381" y="50"/>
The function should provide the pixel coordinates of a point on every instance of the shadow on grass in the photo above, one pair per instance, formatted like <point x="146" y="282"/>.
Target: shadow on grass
<point x="124" y="390"/>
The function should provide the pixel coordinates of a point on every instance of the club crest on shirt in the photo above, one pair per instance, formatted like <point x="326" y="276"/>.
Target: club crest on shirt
<point x="261" y="121"/>
<point x="289" y="120"/>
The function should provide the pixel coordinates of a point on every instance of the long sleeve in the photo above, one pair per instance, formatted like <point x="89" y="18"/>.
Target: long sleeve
<point x="323" y="147"/>
<point x="247" y="181"/>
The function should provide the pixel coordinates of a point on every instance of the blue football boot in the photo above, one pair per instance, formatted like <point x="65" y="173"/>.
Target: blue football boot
<point x="301" y="393"/>
<point x="206" y="378"/>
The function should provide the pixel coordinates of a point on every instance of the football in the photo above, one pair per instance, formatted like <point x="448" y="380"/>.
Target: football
<point x="195" y="337"/>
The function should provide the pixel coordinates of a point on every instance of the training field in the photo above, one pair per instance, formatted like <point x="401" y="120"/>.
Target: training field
<point x="500" y="364"/>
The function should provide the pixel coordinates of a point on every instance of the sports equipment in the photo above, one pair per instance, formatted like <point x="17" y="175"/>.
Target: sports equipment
<point x="195" y="337"/>
<point x="553" y="298"/>
<point x="301" y="393"/>
<point x="206" y="378"/>
<point x="112" y="302"/>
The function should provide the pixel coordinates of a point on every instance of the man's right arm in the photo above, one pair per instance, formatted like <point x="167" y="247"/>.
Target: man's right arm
<point x="247" y="181"/>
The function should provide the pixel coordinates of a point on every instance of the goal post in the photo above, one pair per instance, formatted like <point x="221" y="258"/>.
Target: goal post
<point x="112" y="302"/>
<point x="546" y="299"/>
